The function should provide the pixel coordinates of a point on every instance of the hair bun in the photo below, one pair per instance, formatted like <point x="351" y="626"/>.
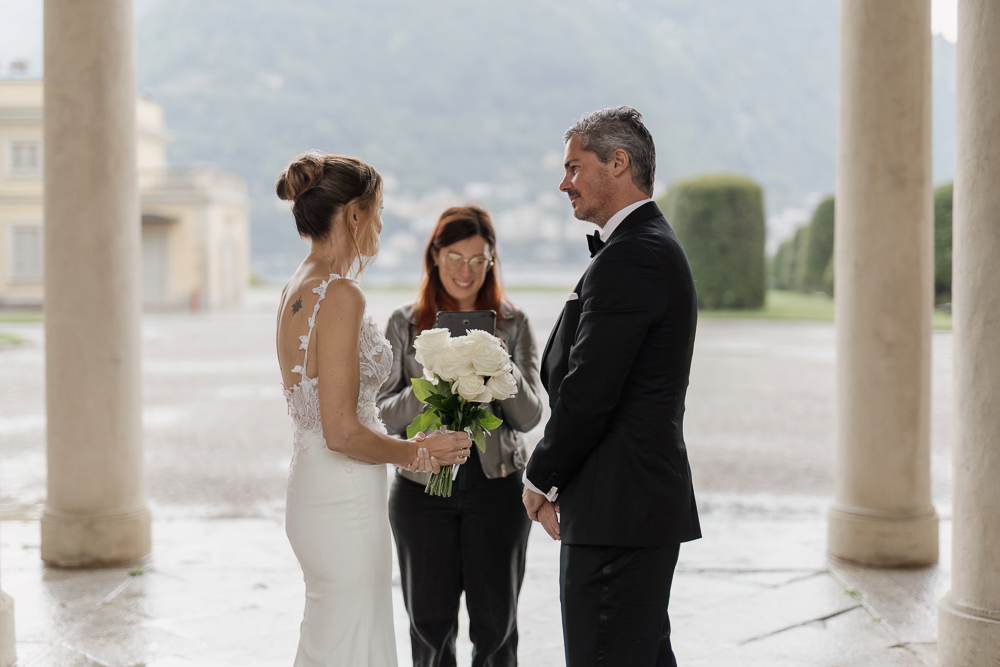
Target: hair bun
<point x="303" y="173"/>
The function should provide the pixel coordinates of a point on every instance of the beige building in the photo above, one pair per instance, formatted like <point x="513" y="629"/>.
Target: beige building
<point x="195" y="227"/>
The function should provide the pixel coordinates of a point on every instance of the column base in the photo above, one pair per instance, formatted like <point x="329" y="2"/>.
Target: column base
<point x="882" y="539"/>
<point x="71" y="540"/>
<point x="8" y="654"/>
<point x="967" y="637"/>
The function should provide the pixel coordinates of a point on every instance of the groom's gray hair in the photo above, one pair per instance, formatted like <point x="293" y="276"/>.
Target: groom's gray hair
<point x="605" y="131"/>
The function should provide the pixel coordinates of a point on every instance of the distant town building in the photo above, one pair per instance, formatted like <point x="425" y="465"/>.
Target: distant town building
<point x="195" y="220"/>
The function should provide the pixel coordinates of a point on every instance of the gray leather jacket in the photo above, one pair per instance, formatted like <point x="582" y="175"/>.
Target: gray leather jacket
<point x="505" y="453"/>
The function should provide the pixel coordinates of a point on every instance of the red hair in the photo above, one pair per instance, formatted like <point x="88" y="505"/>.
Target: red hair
<point x="457" y="224"/>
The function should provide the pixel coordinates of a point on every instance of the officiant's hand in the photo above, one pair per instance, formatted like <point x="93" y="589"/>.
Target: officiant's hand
<point x="541" y="510"/>
<point x="449" y="447"/>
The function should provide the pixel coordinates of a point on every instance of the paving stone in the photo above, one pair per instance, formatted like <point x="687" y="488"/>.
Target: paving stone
<point x="749" y="618"/>
<point x="819" y="643"/>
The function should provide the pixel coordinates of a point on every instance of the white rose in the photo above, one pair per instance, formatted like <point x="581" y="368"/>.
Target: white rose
<point x="450" y="364"/>
<point x="472" y="388"/>
<point x="503" y="386"/>
<point x="429" y="343"/>
<point x="456" y="361"/>
<point x="488" y="356"/>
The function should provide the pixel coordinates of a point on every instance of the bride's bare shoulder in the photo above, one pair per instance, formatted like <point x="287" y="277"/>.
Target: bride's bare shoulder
<point x="305" y="285"/>
<point x="344" y="296"/>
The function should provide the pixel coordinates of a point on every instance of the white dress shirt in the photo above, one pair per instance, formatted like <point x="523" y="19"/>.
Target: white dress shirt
<point x="611" y="225"/>
<point x="609" y="228"/>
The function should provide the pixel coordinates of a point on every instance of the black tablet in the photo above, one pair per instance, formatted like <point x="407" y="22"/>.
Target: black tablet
<point x="460" y="322"/>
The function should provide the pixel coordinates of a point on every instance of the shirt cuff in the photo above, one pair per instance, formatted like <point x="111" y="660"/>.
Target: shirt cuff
<point x="551" y="495"/>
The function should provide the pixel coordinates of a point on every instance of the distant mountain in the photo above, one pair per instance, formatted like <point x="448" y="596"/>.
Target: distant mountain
<point x="444" y="93"/>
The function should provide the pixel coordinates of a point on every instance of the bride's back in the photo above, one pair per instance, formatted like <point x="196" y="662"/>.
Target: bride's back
<point x="298" y="302"/>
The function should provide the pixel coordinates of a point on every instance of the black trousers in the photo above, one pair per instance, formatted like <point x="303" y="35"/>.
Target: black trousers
<point x="475" y="542"/>
<point x="614" y="605"/>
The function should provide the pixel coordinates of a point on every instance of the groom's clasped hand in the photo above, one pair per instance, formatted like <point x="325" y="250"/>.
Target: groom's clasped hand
<point x="543" y="511"/>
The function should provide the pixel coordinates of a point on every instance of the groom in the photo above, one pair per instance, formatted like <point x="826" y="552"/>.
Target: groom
<point x="612" y="461"/>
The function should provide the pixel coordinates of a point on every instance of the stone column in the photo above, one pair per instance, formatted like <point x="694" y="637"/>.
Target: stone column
<point x="8" y="654"/>
<point x="969" y="620"/>
<point x="95" y="512"/>
<point x="882" y="513"/>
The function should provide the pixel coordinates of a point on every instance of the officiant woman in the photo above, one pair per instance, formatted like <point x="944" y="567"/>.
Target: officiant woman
<point x="475" y="541"/>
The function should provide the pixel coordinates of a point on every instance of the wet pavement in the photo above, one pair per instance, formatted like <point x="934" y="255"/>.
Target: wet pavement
<point x="223" y="588"/>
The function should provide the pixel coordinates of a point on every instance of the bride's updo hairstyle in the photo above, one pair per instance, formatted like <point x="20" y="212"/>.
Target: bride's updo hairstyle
<point x="321" y="186"/>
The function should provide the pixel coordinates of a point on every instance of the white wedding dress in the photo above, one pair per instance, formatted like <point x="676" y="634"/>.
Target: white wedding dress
<point x="337" y="522"/>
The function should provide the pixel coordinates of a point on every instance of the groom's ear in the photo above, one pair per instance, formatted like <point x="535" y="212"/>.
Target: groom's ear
<point x="620" y="162"/>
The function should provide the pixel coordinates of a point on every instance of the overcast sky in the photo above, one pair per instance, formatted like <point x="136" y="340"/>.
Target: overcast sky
<point x="21" y="28"/>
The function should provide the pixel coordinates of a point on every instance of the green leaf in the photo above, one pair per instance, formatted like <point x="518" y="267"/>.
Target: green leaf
<point x="479" y="435"/>
<point x="444" y="388"/>
<point x="438" y="401"/>
<point x="489" y="421"/>
<point x="422" y="422"/>
<point x="422" y="389"/>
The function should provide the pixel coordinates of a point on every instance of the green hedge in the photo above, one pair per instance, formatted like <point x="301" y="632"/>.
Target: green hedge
<point x="786" y="261"/>
<point x="818" y="250"/>
<point x="828" y="277"/>
<point x="943" y="196"/>
<point x="781" y="266"/>
<point x="805" y="261"/>
<point x="720" y="220"/>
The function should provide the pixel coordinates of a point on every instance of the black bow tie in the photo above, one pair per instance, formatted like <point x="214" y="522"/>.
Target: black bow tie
<point x="594" y="242"/>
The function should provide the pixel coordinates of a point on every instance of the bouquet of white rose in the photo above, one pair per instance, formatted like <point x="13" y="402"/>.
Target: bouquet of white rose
<point x="460" y="375"/>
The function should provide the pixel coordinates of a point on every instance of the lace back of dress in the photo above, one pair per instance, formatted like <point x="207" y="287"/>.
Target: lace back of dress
<point x="304" y="339"/>
<point x="375" y="361"/>
<point x="303" y="401"/>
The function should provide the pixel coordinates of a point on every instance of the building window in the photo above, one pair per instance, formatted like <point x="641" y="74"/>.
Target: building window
<point x="24" y="157"/>
<point x="25" y="253"/>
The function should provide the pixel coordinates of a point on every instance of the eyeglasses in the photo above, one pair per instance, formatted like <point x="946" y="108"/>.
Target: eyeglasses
<point x="477" y="264"/>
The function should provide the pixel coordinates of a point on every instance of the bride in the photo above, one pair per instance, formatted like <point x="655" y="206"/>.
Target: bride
<point x="333" y="360"/>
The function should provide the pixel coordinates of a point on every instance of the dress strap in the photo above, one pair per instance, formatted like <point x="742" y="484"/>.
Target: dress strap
<point x="304" y="340"/>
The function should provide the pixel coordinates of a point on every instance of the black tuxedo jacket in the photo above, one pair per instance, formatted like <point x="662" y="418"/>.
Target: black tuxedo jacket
<point x="616" y="369"/>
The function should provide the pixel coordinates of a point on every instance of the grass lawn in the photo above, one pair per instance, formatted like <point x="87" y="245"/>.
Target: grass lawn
<point x="784" y="305"/>
<point x="9" y="339"/>
<point x="21" y="316"/>
<point x="17" y="316"/>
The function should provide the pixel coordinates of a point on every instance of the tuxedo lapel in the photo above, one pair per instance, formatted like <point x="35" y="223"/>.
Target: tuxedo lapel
<point x="544" y="367"/>
<point x="547" y="363"/>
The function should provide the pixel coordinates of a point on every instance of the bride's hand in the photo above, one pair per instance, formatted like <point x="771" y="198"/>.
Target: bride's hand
<point x="423" y="462"/>
<point x="449" y="447"/>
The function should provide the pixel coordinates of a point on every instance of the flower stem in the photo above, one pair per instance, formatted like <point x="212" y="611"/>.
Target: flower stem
<point x="440" y="484"/>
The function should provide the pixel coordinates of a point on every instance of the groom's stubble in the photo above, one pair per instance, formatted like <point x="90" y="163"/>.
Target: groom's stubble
<point x="595" y="208"/>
